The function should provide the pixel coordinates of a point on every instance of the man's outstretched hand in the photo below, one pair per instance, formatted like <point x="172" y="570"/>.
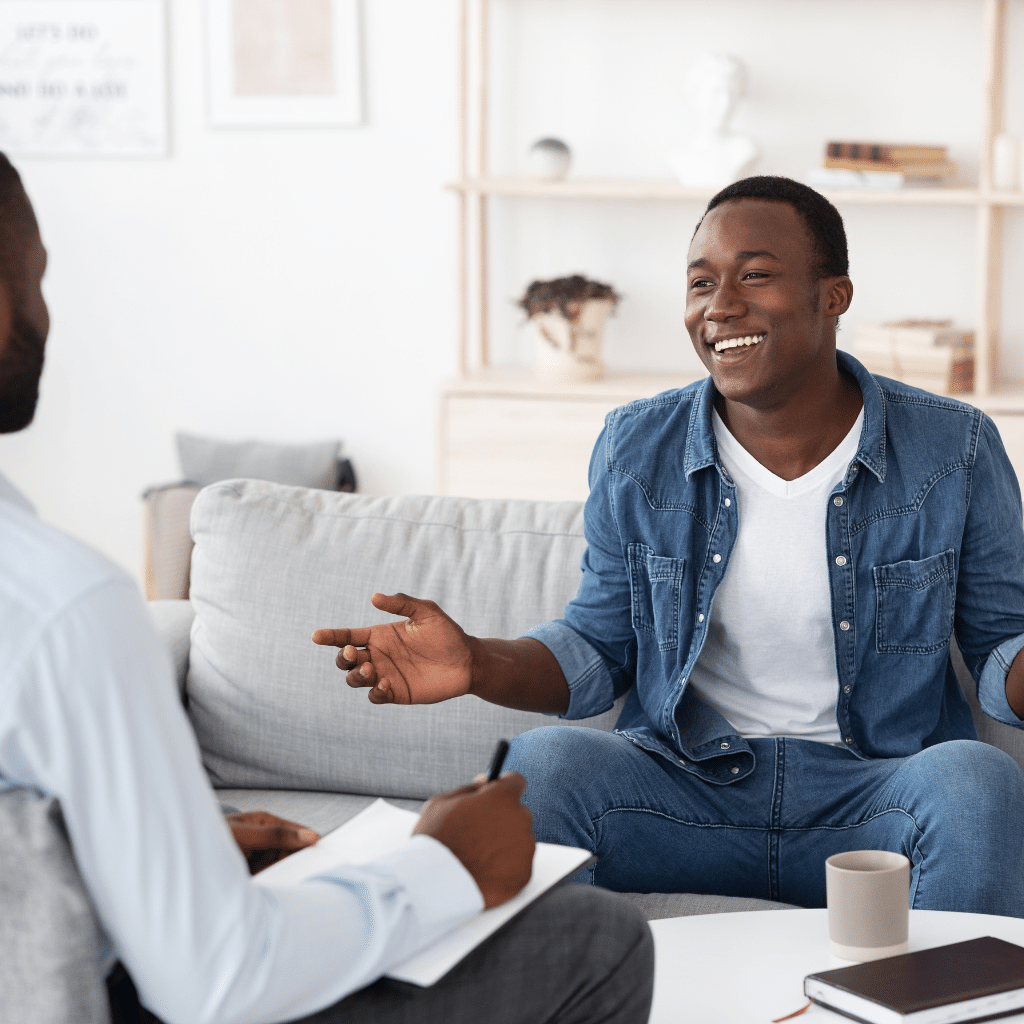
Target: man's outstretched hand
<point x="423" y="660"/>
<point x="489" y="830"/>
<point x="265" y="838"/>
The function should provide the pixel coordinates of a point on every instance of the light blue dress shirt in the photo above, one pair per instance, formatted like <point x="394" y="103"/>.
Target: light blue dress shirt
<point x="89" y="712"/>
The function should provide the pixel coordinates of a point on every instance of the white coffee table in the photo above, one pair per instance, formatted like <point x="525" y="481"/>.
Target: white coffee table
<point x="750" y="968"/>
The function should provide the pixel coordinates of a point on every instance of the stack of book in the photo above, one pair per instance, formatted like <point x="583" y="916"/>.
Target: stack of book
<point x="929" y="354"/>
<point x="882" y="165"/>
<point x="928" y="164"/>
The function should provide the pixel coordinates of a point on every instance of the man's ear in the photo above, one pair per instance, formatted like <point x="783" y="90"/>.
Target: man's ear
<point x="838" y="294"/>
<point x="6" y="315"/>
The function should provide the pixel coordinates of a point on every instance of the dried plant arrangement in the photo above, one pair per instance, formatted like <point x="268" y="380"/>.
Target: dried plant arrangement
<point x="569" y="314"/>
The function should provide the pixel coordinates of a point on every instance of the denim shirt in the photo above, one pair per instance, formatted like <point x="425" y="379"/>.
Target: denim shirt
<point x="924" y="541"/>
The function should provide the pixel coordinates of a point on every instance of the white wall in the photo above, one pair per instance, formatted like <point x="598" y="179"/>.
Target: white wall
<point x="300" y="284"/>
<point x="276" y="284"/>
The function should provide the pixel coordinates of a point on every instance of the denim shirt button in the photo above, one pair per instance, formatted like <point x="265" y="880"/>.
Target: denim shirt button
<point x="728" y="502"/>
<point x="849" y="739"/>
<point x="734" y="770"/>
<point x="844" y="625"/>
<point x="716" y="558"/>
<point x="847" y="688"/>
<point x="725" y="746"/>
<point x="841" y="560"/>
<point x="700" y="618"/>
<point x="837" y="500"/>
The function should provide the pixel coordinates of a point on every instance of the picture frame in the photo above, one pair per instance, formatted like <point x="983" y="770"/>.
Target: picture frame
<point x="83" y="78"/>
<point x="284" y="63"/>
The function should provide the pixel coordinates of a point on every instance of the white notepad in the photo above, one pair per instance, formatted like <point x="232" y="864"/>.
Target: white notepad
<point x="378" y="830"/>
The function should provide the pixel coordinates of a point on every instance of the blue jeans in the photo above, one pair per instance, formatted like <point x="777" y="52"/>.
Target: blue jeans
<point x="956" y="810"/>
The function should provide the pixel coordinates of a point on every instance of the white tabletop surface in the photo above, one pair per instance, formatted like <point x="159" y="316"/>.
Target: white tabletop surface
<point x="750" y="968"/>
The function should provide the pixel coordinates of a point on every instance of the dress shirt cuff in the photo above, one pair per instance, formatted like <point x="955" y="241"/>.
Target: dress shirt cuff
<point x="439" y="887"/>
<point x="992" y="685"/>
<point x="591" y="688"/>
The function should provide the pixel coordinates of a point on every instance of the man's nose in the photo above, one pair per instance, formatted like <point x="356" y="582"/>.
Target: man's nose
<point x="724" y="303"/>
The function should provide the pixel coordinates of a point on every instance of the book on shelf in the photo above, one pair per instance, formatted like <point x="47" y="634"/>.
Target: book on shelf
<point x="929" y="354"/>
<point x="955" y="984"/>
<point x="939" y="170"/>
<point x="884" y="152"/>
<point x="928" y="164"/>
<point x="834" y="177"/>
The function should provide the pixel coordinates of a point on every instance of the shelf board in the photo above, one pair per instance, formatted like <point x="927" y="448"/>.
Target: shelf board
<point x="627" y="385"/>
<point x="644" y="189"/>
<point x="519" y="382"/>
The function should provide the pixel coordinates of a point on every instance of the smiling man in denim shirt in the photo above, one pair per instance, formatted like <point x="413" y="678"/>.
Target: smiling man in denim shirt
<point x="777" y="559"/>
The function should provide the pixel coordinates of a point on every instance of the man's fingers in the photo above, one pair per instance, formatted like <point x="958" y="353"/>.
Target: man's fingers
<point x="363" y="675"/>
<point x="512" y="781"/>
<point x="342" y="637"/>
<point x="397" y="604"/>
<point x="349" y="657"/>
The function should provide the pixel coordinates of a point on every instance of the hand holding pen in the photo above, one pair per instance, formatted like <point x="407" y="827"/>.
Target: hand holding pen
<point x="486" y="826"/>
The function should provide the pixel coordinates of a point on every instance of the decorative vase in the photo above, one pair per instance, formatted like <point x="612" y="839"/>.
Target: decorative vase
<point x="569" y="350"/>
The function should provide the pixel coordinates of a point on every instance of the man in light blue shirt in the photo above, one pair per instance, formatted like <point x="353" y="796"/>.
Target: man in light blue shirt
<point x="89" y="714"/>
<point x="786" y="669"/>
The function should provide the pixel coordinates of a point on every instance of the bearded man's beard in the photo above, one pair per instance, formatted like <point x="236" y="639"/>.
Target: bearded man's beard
<point x="21" y="366"/>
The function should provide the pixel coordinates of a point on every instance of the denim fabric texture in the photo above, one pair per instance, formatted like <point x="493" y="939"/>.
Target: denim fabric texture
<point x="955" y="810"/>
<point x="924" y="539"/>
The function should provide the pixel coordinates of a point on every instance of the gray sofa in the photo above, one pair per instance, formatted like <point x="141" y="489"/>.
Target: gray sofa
<point x="278" y="728"/>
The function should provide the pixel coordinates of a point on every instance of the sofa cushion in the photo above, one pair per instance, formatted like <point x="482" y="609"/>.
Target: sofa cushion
<point x="205" y="460"/>
<point x="49" y="962"/>
<point x="273" y="563"/>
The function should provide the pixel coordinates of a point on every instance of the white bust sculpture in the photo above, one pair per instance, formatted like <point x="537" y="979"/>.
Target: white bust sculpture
<point x="714" y="156"/>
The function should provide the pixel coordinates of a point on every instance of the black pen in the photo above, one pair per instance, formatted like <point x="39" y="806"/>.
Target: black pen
<point x="500" y="752"/>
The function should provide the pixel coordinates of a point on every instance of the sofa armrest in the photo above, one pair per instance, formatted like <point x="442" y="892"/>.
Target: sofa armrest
<point x="1005" y="737"/>
<point x="173" y="621"/>
<point x="168" y="541"/>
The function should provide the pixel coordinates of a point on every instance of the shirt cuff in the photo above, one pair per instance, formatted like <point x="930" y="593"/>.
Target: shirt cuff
<point x="439" y="887"/>
<point x="992" y="684"/>
<point x="591" y="687"/>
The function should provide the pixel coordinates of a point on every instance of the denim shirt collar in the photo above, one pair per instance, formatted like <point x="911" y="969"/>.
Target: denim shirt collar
<point x="702" y="450"/>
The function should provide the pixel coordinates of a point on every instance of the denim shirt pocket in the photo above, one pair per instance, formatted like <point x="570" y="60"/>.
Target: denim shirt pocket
<point x="655" y="583"/>
<point x="914" y="604"/>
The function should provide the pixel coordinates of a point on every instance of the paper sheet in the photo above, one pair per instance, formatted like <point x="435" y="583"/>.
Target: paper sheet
<point x="379" y="829"/>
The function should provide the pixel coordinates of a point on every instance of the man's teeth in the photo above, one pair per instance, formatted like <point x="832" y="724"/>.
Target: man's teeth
<point x="752" y="339"/>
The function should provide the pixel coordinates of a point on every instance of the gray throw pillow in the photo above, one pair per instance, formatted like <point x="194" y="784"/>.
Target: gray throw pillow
<point x="49" y="966"/>
<point x="206" y="460"/>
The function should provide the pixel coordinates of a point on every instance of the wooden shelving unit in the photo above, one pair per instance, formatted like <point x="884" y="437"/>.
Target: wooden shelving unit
<point x="475" y="185"/>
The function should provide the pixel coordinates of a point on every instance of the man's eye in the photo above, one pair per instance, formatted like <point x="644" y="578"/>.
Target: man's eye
<point x="754" y="274"/>
<point x="700" y="282"/>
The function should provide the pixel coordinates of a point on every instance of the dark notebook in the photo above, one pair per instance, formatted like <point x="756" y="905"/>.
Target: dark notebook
<point x="967" y="981"/>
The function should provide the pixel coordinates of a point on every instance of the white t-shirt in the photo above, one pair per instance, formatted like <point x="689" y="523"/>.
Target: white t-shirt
<point x="769" y="663"/>
<point x="89" y="712"/>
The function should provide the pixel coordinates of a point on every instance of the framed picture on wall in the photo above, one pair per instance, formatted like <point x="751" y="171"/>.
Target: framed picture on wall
<point x="83" y="78"/>
<point x="283" y="63"/>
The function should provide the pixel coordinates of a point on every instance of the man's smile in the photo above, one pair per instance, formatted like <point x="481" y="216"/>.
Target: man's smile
<point x="745" y="341"/>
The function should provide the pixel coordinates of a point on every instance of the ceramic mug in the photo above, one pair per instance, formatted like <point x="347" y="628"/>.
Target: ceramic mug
<point x="868" y="893"/>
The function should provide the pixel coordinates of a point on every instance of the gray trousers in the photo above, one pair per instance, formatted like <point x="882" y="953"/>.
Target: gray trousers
<point x="576" y="955"/>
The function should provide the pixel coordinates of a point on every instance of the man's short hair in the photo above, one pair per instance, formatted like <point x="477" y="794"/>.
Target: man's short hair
<point x="17" y="225"/>
<point x="825" y="225"/>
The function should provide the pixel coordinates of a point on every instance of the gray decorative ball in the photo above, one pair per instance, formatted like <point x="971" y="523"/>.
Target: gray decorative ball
<point x="550" y="159"/>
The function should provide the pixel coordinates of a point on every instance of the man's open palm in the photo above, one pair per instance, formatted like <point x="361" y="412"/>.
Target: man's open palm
<point x="423" y="660"/>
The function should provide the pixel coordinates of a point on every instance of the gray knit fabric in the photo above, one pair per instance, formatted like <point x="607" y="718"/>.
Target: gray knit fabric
<point x="49" y="967"/>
